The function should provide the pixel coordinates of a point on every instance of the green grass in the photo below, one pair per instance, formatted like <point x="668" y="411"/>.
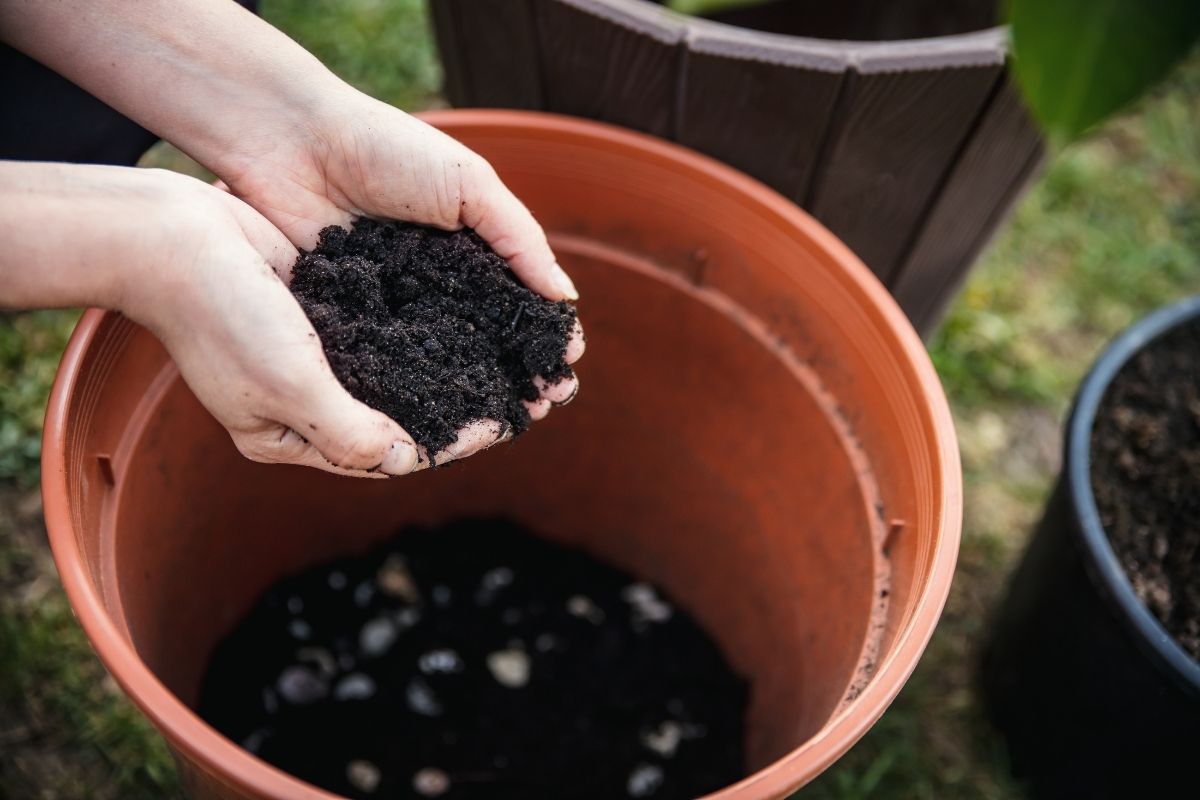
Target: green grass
<point x="1111" y="230"/>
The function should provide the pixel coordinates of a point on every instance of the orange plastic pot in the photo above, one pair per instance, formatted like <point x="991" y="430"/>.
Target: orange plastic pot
<point x="760" y="431"/>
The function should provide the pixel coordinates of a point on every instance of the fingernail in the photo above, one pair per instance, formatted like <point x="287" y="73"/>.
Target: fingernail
<point x="564" y="283"/>
<point x="401" y="459"/>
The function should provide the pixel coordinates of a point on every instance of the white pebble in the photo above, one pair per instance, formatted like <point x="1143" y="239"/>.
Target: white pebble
<point x="355" y="686"/>
<point x="394" y="579"/>
<point x="320" y="657"/>
<point x="405" y="618"/>
<point x="664" y="739"/>
<point x="647" y="605"/>
<point x="337" y="580"/>
<point x="363" y="594"/>
<point x="493" y="581"/>
<point x="584" y="608"/>
<point x="421" y="698"/>
<point x="300" y="686"/>
<point x="295" y="605"/>
<point x="443" y="660"/>
<point x="509" y="667"/>
<point x="299" y="629"/>
<point x="363" y="775"/>
<point x="377" y="636"/>
<point x="644" y="780"/>
<point x="254" y="742"/>
<point x="431" y="782"/>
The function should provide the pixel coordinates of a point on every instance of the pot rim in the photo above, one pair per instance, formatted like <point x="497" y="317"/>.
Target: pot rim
<point x="218" y="756"/>
<point x="1100" y="559"/>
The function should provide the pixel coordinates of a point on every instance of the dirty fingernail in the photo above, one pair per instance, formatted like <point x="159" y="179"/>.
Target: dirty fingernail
<point x="401" y="459"/>
<point x="564" y="283"/>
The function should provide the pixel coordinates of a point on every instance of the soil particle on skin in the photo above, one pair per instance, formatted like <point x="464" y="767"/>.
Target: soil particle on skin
<point x="603" y="698"/>
<point x="1146" y="478"/>
<point x="430" y="327"/>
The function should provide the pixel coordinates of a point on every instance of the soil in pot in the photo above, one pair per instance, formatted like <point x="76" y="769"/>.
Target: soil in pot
<point x="1146" y="478"/>
<point x="430" y="327"/>
<point x="476" y="660"/>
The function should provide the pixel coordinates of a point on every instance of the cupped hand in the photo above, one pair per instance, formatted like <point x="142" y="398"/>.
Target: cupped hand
<point x="360" y="157"/>
<point x="209" y="287"/>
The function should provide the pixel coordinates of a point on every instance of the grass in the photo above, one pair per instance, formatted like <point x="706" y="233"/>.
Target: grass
<point x="1110" y="231"/>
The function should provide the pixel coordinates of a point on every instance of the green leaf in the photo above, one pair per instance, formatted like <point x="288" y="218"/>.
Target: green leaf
<point x="705" y="7"/>
<point x="1079" y="61"/>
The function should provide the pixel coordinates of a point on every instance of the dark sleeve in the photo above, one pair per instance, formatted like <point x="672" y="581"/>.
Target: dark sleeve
<point x="45" y="117"/>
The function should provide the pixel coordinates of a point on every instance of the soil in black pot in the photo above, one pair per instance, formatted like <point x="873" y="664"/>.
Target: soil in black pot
<point x="430" y="327"/>
<point x="478" y="661"/>
<point x="1146" y="478"/>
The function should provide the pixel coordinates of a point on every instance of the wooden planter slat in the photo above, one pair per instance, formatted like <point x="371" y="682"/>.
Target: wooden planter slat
<point x="617" y="65"/>
<point x="899" y="133"/>
<point x="501" y="61"/>
<point x="909" y="150"/>
<point x="733" y="91"/>
<point x="1004" y="151"/>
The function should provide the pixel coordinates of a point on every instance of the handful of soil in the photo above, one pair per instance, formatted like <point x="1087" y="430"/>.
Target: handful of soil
<point x="475" y="661"/>
<point x="430" y="327"/>
<point x="1146" y="478"/>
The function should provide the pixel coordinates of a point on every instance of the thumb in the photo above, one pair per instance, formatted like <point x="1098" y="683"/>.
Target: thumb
<point x="348" y="434"/>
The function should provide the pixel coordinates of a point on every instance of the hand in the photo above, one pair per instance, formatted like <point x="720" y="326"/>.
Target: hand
<point x="199" y="269"/>
<point x="369" y="158"/>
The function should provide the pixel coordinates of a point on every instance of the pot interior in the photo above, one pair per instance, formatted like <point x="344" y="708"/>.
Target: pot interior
<point x="756" y="433"/>
<point x="864" y="20"/>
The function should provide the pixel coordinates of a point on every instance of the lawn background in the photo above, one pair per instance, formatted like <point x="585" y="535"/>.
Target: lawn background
<point x="1110" y="230"/>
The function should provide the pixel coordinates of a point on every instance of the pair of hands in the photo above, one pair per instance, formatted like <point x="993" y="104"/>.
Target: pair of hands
<point x="218" y="301"/>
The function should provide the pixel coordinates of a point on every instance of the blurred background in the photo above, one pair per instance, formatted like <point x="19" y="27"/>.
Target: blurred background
<point x="1110" y="230"/>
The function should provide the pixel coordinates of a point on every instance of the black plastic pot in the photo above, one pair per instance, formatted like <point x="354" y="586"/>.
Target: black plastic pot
<point x="1093" y="695"/>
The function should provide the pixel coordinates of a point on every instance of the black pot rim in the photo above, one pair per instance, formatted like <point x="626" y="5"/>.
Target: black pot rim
<point x="1099" y="556"/>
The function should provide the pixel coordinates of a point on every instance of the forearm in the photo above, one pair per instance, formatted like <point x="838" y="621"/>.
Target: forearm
<point x="207" y="75"/>
<point x="66" y="234"/>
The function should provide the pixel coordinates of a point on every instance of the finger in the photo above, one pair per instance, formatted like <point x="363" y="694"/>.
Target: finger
<point x="538" y="409"/>
<point x="506" y="224"/>
<point x="349" y="434"/>
<point x="282" y="445"/>
<point x="560" y="392"/>
<point x="472" y="438"/>
<point x="576" y="344"/>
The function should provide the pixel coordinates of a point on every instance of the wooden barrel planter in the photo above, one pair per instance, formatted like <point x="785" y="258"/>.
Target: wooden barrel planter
<point x="892" y="122"/>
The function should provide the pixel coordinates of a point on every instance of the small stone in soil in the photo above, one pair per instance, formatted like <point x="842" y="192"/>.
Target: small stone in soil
<point x="431" y="782"/>
<point x="544" y="643"/>
<point x="363" y="594"/>
<point x="492" y="582"/>
<point x="664" y="739"/>
<point x="442" y="596"/>
<point x="644" y="780"/>
<point x="355" y="686"/>
<point x="647" y="605"/>
<point x="300" y="686"/>
<point x="584" y="608"/>
<point x="295" y="605"/>
<point x="319" y="657"/>
<point x="444" y="661"/>
<point x="377" y="636"/>
<point x="254" y="742"/>
<point x="363" y="775"/>
<point x="337" y="580"/>
<point x="395" y="580"/>
<point x="421" y="699"/>
<point x="299" y="629"/>
<point x="510" y="667"/>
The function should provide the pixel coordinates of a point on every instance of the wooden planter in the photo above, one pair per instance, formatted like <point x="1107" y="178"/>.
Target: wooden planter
<point x="909" y="149"/>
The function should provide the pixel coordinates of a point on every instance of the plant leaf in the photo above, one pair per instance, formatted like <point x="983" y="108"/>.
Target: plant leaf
<point x="1078" y="61"/>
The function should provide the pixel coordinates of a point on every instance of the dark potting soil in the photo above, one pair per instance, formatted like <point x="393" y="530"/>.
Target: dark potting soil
<point x="1146" y="478"/>
<point x="430" y="327"/>
<point x="478" y="661"/>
